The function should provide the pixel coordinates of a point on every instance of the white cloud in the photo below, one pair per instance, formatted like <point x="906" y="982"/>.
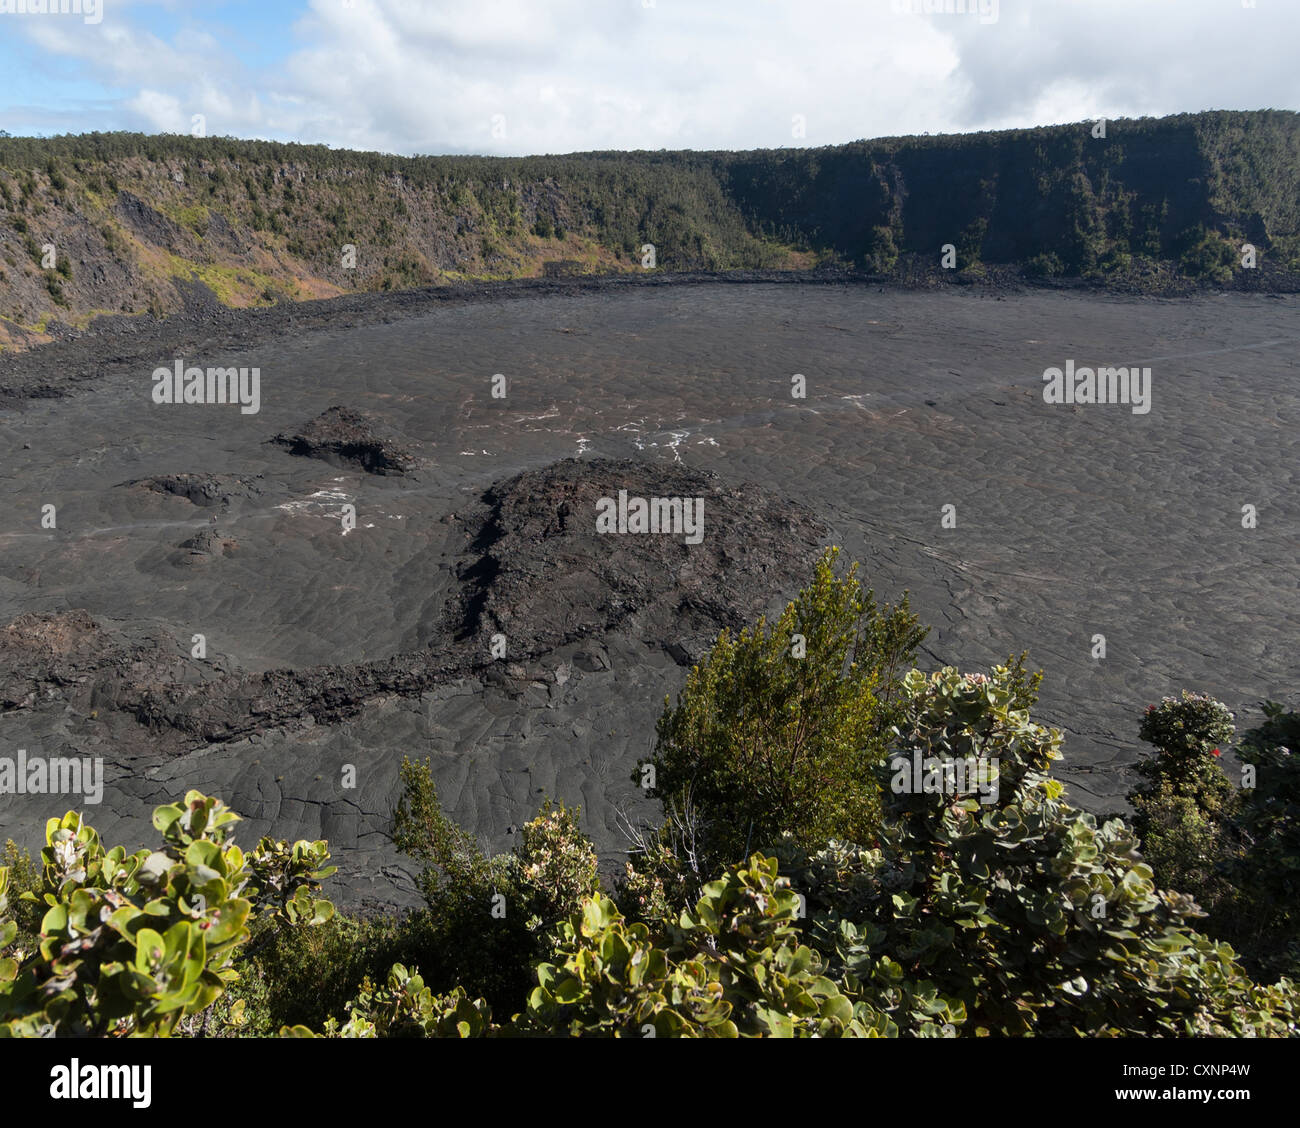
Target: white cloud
<point x="162" y="111"/>
<point x="429" y="75"/>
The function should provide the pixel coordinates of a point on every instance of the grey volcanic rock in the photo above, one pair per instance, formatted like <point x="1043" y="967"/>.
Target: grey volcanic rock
<point x="204" y="547"/>
<point x="202" y="489"/>
<point x="344" y="437"/>
<point x="330" y="649"/>
<point x="114" y="344"/>
<point x="221" y="234"/>
<point x="68" y="660"/>
<point x="148" y="223"/>
<point x="535" y="570"/>
<point x="40" y="653"/>
<point x="546" y="577"/>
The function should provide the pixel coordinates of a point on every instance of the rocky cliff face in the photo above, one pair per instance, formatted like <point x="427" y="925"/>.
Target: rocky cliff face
<point x="127" y="224"/>
<point x="1146" y="188"/>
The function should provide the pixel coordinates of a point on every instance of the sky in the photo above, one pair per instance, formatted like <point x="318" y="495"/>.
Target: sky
<point x="514" y="77"/>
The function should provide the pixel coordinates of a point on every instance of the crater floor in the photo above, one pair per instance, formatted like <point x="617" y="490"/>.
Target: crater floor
<point x="327" y="645"/>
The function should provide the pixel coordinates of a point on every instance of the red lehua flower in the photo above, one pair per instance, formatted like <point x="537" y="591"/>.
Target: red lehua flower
<point x="1216" y="751"/>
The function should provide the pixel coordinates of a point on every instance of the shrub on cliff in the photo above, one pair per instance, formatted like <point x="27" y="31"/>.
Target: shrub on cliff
<point x="1046" y="265"/>
<point x="1207" y="255"/>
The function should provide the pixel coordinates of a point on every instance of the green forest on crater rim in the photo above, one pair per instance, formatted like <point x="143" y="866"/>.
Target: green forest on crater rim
<point x="150" y="224"/>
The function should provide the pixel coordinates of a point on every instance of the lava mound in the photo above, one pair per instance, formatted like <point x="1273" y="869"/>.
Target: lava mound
<point x="201" y="489"/>
<point x="544" y="572"/>
<point x="343" y="437"/>
<point x="538" y="568"/>
<point x="204" y="547"/>
<point x="66" y="657"/>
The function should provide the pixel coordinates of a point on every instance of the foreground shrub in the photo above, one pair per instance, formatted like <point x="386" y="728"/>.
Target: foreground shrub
<point x="733" y="966"/>
<point x="1187" y="733"/>
<point x="306" y="976"/>
<point x="1008" y="911"/>
<point x="488" y="920"/>
<point x="1182" y="810"/>
<point x="24" y="876"/>
<point x="138" y="943"/>
<point x="988" y="906"/>
<point x="1265" y="873"/>
<point x="405" y="1008"/>
<point x="1237" y="851"/>
<point x="985" y="906"/>
<point x="780" y="729"/>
